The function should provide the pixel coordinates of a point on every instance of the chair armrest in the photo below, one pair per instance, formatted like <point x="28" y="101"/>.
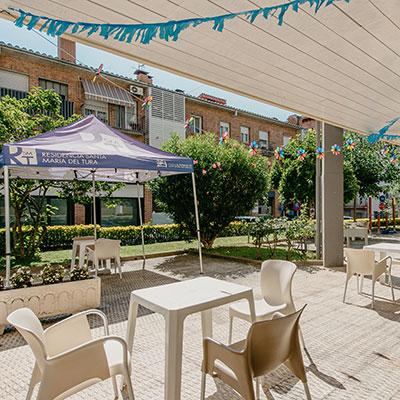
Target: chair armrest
<point x="65" y="322"/>
<point x="277" y="315"/>
<point x="381" y="266"/>
<point x="214" y="350"/>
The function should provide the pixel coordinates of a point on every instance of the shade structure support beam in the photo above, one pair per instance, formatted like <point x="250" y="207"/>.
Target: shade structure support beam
<point x="141" y="224"/>
<point x="94" y="204"/>
<point x="7" y="224"/>
<point x="196" y="211"/>
<point x="332" y="198"/>
<point x="318" y="198"/>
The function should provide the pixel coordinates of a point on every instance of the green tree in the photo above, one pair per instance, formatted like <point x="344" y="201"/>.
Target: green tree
<point x="229" y="179"/>
<point x="294" y="178"/>
<point x="39" y="112"/>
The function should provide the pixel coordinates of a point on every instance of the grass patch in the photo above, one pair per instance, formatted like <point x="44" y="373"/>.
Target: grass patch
<point x="64" y="256"/>
<point x="263" y="253"/>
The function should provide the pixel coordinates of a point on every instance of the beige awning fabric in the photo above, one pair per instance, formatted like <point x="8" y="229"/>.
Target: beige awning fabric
<point x="108" y="93"/>
<point x="341" y="65"/>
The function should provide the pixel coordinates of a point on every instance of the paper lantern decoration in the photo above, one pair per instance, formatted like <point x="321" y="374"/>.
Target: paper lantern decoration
<point x="301" y="154"/>
<point x="336" y="150"/>
<point x="189" y="122"/>
<point x="224" y="137"/>
<point x="253" y="148"/>
<point x="98" y="72"/>
<point x="350" y="144"/>
<point x="385" y="150"/>
<point x="319" y="152"/>
<point x="393" y="159"/>
<point x="147" y="102"/>
<point x="279" y="153"/>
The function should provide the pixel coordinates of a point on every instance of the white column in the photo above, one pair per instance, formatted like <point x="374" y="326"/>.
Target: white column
<point x="332" y="198"/>
<point x="318" y="197"/>
<point x="7" y="224"/>
<point x="141" y="223"/>
<point x="196" y="210"/>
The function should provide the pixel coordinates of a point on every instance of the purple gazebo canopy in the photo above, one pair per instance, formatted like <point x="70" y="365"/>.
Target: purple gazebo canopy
<point x="87" y="146"/>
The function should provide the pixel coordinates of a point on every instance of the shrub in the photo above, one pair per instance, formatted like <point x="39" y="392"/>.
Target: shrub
<point x="22" y="278"/>
<point x="52" y="274"/>
<point x="60" y="237"/>
<point x="229" y="180"/>
<point x="79" y="274"/>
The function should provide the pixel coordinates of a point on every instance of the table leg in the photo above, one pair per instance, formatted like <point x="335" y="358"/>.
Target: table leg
<point x="74" y="253"/>
<point x="82" y="250"/>
<point x="206" y="323"/>
<point x="132" y="315"/>
<point x="250" y="299"/>
<point x="173" y="355"/>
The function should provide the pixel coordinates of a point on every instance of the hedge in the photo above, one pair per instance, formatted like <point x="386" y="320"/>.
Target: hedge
<point x="61" y="236"/>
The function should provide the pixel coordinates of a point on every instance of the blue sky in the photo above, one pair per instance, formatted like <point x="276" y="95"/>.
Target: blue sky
<point x="93" y="57"/>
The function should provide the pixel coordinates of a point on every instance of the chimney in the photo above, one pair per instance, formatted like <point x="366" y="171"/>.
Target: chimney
<point x="143" y="76"/>
<point x="66" y="50"/>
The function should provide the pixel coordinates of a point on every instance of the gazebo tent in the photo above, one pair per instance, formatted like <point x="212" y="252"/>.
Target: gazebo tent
<point x="89" y="150"/>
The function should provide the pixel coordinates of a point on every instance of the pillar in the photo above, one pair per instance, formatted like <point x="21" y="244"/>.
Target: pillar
<point x="148" y="205"/>
<point x="332" y="198"/>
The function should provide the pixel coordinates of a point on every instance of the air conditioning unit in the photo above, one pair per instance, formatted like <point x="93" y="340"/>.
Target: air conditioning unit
<point x="136" y="90"/>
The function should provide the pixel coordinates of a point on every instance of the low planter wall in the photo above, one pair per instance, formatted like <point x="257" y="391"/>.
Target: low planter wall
<point x="51" y="300"/>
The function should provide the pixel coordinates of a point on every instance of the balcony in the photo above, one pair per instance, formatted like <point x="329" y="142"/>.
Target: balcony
<point x="67" y="107"/>
<point x="134" y="128"/>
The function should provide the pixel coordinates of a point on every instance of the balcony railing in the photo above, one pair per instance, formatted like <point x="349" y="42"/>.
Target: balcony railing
<point x="137" y="128"/>
<point x="67" y="107"/>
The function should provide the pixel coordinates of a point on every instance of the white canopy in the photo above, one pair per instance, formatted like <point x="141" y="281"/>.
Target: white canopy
<point x="341" y="65"/>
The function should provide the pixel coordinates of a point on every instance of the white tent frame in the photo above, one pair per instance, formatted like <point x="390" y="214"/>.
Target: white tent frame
<point x="7" y="220"/>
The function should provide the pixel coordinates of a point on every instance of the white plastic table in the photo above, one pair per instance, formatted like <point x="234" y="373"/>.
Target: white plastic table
<point x="81" y="243"/>
<point x="384" y="248"/>
<point x="175" y="302"/>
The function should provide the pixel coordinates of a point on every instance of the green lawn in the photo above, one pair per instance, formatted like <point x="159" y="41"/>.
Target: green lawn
<point x="62" y="255"/>
<point x="264" y="253"/>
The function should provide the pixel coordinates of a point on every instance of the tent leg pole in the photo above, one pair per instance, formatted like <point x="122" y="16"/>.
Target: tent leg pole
<point x="196" y="210"/>
<point x="141" y="224"/>
<point x="7" y="224"/>
<point x="94" y="205"/>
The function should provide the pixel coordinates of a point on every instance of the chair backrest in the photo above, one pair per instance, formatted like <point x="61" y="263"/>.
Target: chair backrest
<point x="107" y="248"/>
<point x="360" y="261"/>
<point x="276" y="283"/>
<point x="270" y="343"/>
<point x="30" y="328"/>
<point x="83" y="238"/>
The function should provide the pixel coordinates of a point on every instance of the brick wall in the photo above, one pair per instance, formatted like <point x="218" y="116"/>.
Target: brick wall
<point x="212" y="116"/>
<point x="79" y="213"/>
<point x="148" y="205"/>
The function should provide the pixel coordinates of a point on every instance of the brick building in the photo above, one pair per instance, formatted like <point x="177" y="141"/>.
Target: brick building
<point x="117" y="101"/>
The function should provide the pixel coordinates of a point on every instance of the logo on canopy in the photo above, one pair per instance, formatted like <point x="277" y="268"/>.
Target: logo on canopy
<point x="162" y="164"/>
<point x="22" y="156"/>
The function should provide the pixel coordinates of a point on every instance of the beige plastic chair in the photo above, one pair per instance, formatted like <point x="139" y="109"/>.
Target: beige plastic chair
<point x="276" y="288"/>
<point x="362" y="262"/>
<point x="105" y="250"/>
<point x="269" y="344"/>
<point x="68" y="358"/>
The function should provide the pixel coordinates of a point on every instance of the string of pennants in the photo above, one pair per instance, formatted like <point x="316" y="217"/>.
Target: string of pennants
<point x="144" y="33"/>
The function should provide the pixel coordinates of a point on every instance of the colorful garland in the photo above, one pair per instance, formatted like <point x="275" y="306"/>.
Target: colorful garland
<point x="301" y="154"/>
<point x="147" y="102"/>
<point x="170" y="30"/>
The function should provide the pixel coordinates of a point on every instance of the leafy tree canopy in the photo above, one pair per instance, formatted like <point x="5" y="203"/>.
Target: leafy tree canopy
<point x="294" y="178"/>
<point x="229" y="179"/>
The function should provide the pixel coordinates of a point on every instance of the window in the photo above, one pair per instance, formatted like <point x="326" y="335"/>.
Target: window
<point x="123" y="214"/>
<point x="244" y="134"/>
<point x="14" y="81"/>
<point x="97" y="108"/>
<point x="263" y="139"/>
<point x="120" y="117"/>
<point x="62" y="215"/>
<point x="196" y="126"/>
<point x="224" y="127"/>
<point x="60" y="88"/>
<point x="286" y="139"/>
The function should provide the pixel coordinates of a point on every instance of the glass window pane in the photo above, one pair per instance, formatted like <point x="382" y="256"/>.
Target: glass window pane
<point x="60" y="216"/>
<point x="125" y="213"/>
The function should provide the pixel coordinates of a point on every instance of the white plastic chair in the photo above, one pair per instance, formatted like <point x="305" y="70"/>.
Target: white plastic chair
<point x="268" y="345"/>
<point x="105" y="249"/>
<point x="68" y="358"/>
<point x="362" y="262"/>
<point x="276" y="288"/>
